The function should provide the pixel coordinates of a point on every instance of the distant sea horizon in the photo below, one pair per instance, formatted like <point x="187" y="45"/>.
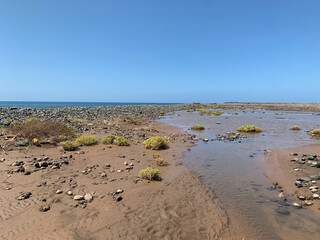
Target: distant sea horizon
<point x="48" y="104"/>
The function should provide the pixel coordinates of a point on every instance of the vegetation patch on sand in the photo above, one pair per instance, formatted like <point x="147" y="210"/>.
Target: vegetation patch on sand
<point x="69" y="146"/>
<point x="314" y="133"/>
<point x="249" y="128"/>
<point x="87" y="140"/>
<point x="54" y="131"/>
<point x="156" y="143"/>
<point x="71" y="119"/>
<point x="150" y="174"/>
<point x="112" y="139"/>
<point x="197" y="127"/>
<point x="31" y="120"/>
<point x="161" y="162"/>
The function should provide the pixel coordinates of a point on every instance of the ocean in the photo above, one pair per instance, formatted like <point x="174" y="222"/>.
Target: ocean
<point x="34" y="104"/>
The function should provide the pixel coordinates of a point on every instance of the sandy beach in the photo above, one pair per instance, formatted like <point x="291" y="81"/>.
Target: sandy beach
<point x="177" y="207"/>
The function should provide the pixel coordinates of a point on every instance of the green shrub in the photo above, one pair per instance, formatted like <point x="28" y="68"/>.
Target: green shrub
<point x="315" y="132"/>
<point x="249" y="128"/>
<point x="217" y="113"/>
<point x="31" y="120"/>
<point x="161" y="162"/>
<point x="197" y="127"/>
<point x="87" y="140"/>
<point x="72" y="119"/>
<point x="155" y="143"/>
<point x="6" y="122"/>
<point x="150" y="174"/>
<point x="15" y="123"/>
<point x="162" y="113"/>
<point x="69" y="146"/>
<point x="108" y="139"/>
<point x="121" y="141"/>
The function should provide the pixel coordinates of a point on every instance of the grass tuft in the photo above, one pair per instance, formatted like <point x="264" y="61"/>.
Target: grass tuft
<point x="112" y="139"/>
<point x="31" y="120"/>
<point x="69" y="146"/>
<point x="108" y="139"/>
<point x="197" y="127"/>
<point x="249" y="128"/>
<point x="87" y="140"/>
<point x="150" y="174"/>
<point x="315" y="132"/>
<point x="161" y="162"/>
<point x="156" y="143"/>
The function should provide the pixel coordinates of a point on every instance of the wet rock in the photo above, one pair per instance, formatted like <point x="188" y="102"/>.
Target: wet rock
<point x="296" y="205"/>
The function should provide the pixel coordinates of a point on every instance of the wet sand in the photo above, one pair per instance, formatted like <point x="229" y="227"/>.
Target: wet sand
<point x="178" y="207"/>
<point x="280" y="169"/>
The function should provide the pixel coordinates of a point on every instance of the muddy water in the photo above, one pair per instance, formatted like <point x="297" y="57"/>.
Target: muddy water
<point x="239" y="180"/>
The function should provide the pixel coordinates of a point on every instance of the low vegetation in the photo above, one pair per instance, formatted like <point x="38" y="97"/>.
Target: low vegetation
<point x="197" y="127"/>
<point x="161" y="162"/>
<point x="56" y="132"/>
<point x="31" y="120"/>
<point x="249" y="128"/>
<point x="108" y="139"/>
<point x="112" y="139"/>
<point x="150" y="174"/>
<point x="71" y="119"/>
<point x="156" y="143"/>
<point x="69" y="146"/>
<point x="314" y="133"/>
<point x="217" y="113"/>
<point x="87" y="140"/>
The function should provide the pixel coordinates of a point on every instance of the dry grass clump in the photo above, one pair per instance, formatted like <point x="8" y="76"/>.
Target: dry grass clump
<point x="249" y="128"/>
<point x="295" y="127"/>
<point x="112" y="139"/>
<point x="150" y="174"/>
<point x="72" y="119"/>
<point x="31" y="120"/>
<point x="156" y="143"/>
<point x="217" y="113"/>
<point x="314" y="133"/>
<point x="87" y="140"/>
<point x="197" y="127"/>
<point x="54" y="131"/>
<point x="108" y="139"/>
<point x="69" y="146"/>
<point x="161" y="162"/>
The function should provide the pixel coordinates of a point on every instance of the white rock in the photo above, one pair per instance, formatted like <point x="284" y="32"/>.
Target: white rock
<point x="78" y="197"/>
<point x="88" y="197"/>
<point x="316" y="196"/>
<point x="296" y="205"/>
<point x="69" y="193"/>
<point x="58" y="191"/>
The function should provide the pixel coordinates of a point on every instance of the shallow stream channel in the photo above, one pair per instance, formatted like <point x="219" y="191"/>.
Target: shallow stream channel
<point x="235" y="172"/>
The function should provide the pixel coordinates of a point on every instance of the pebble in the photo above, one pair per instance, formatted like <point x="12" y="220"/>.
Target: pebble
<point x="296" y="205"/>
<point x="78" y="197"/>
<point x="58" y="191"/>
<point x="88" y="197"/>
<point x="44" y="208"/>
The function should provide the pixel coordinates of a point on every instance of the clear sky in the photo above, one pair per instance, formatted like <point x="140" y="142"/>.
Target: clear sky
<point x="160" y="50"/>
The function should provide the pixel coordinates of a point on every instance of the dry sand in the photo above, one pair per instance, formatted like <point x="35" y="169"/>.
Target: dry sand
<point x="178" y="207"/>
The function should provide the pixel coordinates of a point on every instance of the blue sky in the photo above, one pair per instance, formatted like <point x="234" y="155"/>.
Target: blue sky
<point x="160" y="50"/>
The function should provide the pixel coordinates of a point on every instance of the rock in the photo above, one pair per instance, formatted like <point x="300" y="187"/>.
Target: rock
<point x="78" y="197"/>
<point x="282" y="196"/>
<point x="125" y="163"/>
<point x="108" y="165"/>
<point x="297" y="205"/>
<point x="119" y="191"/>
<point x="88" y="197"/>
<point x="301" y="197"/>
<point x="44" y="208"/>
<point x="2" y="159"/>
<point x="58" y="191"/>
<point x="70" y="193"/>
<point x="315" y="196"/>
<point x="206" y="140"/>
<point x="24" y="196"/>
<point x="294" y="154"/>
<point x="295" y="127"/>
<point x="118" y="199"/>
<point x="298" y="184"/>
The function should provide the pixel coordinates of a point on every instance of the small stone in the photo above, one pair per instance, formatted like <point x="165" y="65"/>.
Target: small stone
<point x="315" y="196"/>
<point x="296" y="205"/>
<point x="88" y="197"/>
<point x="78" y="197"/>
<point x="302" y="197"/>
<point x="281" y="195"/>
<point x="58" y="191"/>
<point x="118" y="199"/>
<point x="44" y="208"/>
<point x="70" y="193"/>
<point x="125" y="163"/>
<point x="119" y="191"/>
<point x="119" y="171"/>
